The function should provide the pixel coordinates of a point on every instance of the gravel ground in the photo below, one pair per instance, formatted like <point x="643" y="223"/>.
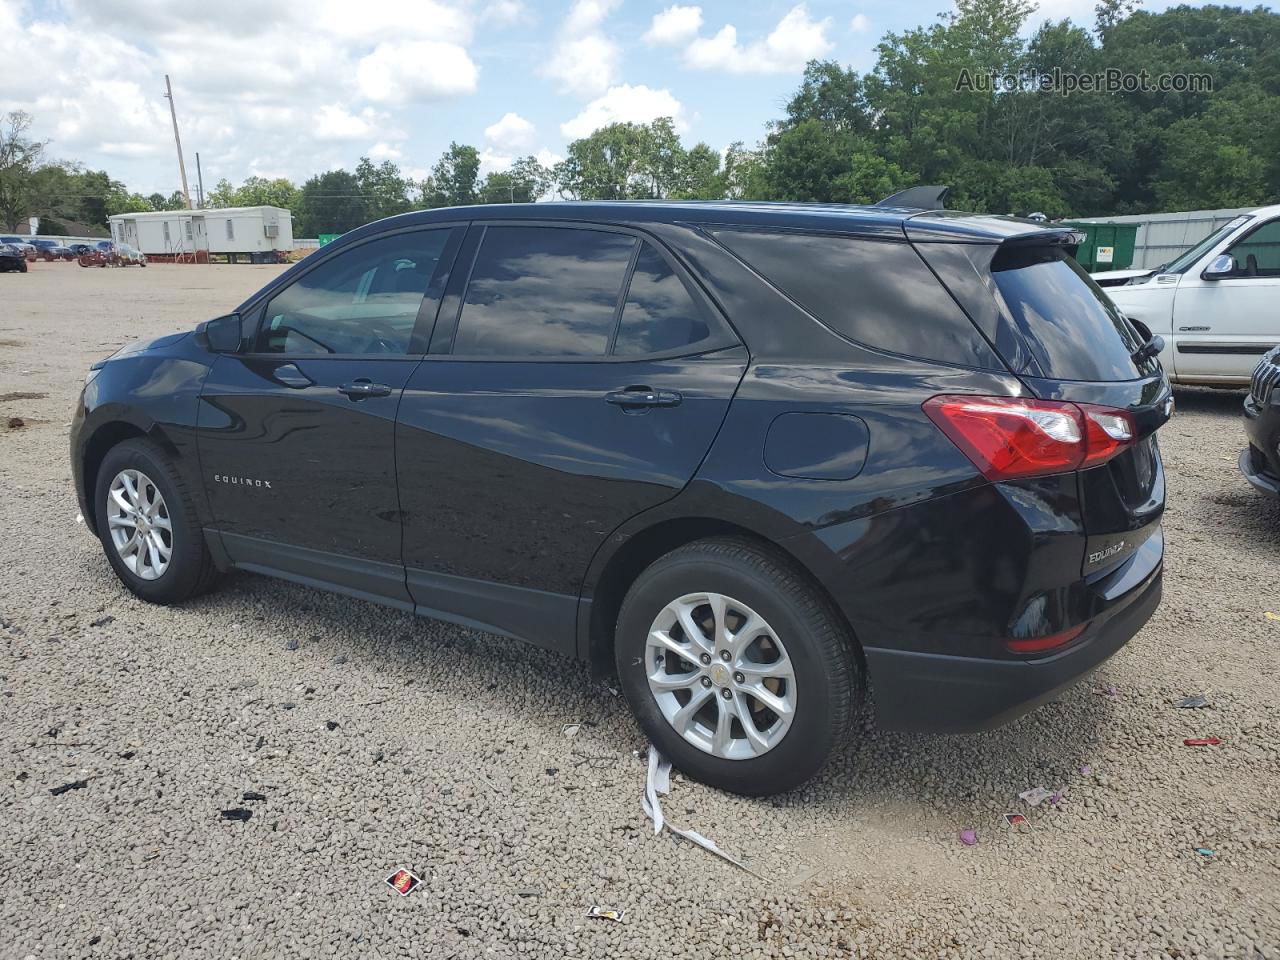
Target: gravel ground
<point x="382" y="741"/>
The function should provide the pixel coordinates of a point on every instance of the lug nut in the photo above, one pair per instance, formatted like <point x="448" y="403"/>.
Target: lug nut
<point x="739" y="678"/>
<point x="705" y="658"/>
<point x="706" y="681"/>
<point x="724" y="654"/>
<point x="726" y="693"/>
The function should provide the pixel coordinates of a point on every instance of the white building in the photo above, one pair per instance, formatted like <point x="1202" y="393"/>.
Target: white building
<point x="239" y="232"/>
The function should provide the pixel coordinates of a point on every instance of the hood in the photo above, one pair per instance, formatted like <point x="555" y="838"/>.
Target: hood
<point x="1113" y="275"/>
<point x="143" y="346"/>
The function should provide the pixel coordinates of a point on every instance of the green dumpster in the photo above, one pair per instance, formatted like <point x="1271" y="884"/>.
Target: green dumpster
<point x="1107" y="246"/>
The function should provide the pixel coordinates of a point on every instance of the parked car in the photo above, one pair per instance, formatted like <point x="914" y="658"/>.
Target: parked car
<point x="12" y="259"/>
<point x="79" y="249"/>
<point x="1215" y="306"/>
<point x="23" y="244"/>
<point x="758" y="459"/>
<point x="50" y="249"/>
<point x="101" y="254"/>
<point x="128" y="256"/>
<point x="1260" y="459"/>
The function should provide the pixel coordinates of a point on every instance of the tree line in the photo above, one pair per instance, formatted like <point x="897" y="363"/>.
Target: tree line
<point x="844" y="137"/>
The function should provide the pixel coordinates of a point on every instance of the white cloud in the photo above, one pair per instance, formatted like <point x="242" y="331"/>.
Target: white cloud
<point x="860" y="23"/>
<point x="789" y="46"/>
<point x="334" y="122"/>
<point x="384" y="151"/>
<point x="548" y="158"/>
<point x="674" y="26"/>
<point x="587" y="15"/>
<point x="261" y="86"/>
<point x="416" y="70"/>
<point x="512" y="132"/>
<point x="504" y="13"/>
<point x="624" y="104"/>
<point x="585" y="61"/>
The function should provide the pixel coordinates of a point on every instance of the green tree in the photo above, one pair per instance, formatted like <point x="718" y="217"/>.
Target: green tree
<point x="454" y="178"/>
<point x="607" y="165"/>
<point x="19" y="158"/>
<point x="331" y="202"/>
<point x="383" y="187"/>
<point x="525" y="182"/>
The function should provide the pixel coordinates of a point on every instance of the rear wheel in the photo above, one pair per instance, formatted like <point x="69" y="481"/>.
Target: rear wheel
<point x="148" y="525"/>
<point x="737" y="668"/>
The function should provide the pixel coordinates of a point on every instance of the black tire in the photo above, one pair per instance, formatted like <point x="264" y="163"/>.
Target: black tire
<point x="23" y="267"/>
<point x="191" y="570"/>
<point x="817" y="640"/>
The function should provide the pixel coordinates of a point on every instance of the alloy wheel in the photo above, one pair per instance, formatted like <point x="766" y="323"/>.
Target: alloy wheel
<point x="720" y="675"/>
<point x="138" y="519"/>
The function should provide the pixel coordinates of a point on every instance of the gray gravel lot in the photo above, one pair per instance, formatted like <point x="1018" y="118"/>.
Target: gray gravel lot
<point x="448" y="756"/>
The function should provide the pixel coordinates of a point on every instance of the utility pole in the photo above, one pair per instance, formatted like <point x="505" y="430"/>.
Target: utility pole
<point x="182" y="167"/>
<point x="199" y="181"/>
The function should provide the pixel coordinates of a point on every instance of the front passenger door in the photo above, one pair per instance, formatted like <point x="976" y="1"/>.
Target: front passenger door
<point x="1223" y="326"/>
<point x="296" y="434"/>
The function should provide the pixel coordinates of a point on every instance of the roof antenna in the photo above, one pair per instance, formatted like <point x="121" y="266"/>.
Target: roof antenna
<point x="918" y="198"/>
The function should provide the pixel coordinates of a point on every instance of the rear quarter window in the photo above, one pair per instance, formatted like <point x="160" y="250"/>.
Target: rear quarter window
<point x="1068" y="324"/>
<point x="876" y="292"/>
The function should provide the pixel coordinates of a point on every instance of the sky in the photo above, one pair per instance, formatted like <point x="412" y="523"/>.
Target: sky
<point x="272" y="88"/>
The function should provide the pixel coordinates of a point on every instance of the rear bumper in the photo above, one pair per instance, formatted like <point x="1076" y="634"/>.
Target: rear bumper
<point x="937" y="693"/>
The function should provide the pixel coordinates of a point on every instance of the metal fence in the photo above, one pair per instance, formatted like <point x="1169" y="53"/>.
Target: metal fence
<point x="1162" y="237"/>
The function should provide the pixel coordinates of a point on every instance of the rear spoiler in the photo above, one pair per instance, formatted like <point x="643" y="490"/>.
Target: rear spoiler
<point x="918" y="198"/>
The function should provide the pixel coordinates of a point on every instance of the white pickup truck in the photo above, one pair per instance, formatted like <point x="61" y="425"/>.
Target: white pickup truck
<point x="1217" y="306"/>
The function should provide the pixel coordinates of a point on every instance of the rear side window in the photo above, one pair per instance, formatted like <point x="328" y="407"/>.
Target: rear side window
<point x="659" y="314"/>
<point x="1068" y="324"/>
<point x="878" y="293"/>
<point x="543" y="291"/>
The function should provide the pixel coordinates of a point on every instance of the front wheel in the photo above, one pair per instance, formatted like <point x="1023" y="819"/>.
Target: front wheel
<point x="736" y="666"/>
<point x="148" y="525"/>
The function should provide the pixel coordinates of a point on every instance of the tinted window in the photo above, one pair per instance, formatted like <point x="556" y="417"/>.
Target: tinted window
<point x="1067" y="322"/>
<point x="875" y="292"/>
<point x="543" y="291"/>
<point x="1192" y="256"/>
<point x="1258" y="254"/>
<point x="364" y="300"/>
<point x="659" y="314"/>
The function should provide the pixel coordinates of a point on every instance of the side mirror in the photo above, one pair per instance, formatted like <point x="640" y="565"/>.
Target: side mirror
<point x="1223" y="265"/>
<point x="221" y="334"/>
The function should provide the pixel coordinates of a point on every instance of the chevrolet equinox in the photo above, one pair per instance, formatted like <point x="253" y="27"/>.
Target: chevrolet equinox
<point x="770" y="463"/>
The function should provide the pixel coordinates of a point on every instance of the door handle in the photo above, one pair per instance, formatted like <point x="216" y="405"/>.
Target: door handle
<point x="361" y="388"/>
<point x="640" y="396"/>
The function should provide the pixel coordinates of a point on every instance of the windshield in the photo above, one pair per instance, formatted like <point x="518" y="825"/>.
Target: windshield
<point x="1188" y="259"/>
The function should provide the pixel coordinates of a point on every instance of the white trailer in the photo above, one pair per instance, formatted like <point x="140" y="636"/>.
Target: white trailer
<point x="249" y="233"/>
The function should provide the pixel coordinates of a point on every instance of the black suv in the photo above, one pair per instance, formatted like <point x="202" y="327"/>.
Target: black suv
<point x="769" y="462"/>
<point x="1260" y="460"/>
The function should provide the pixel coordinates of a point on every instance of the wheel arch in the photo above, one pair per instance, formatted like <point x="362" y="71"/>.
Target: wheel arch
<point x="597" y="624"/>
<point x="107" y="436"/>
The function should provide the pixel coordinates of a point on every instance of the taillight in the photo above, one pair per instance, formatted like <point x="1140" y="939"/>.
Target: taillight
<point x="1010" y="437"/>
<point x="1044" y="644"/>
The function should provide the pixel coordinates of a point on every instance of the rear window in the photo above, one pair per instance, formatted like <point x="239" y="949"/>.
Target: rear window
<point x="1066" y="321"/>
<point x="876" y="292"/>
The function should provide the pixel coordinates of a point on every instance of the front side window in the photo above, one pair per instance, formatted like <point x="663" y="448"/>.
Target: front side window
<point x="543" y="291"/>
<point x="659" y="315"/>
<point x="363" y="301"/>
<point x="1189" y="259"/>
<point x="1258" y="254"/>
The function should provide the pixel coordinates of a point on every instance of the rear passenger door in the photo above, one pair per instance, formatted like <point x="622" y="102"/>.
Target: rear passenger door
<point x="576" y="377"/>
